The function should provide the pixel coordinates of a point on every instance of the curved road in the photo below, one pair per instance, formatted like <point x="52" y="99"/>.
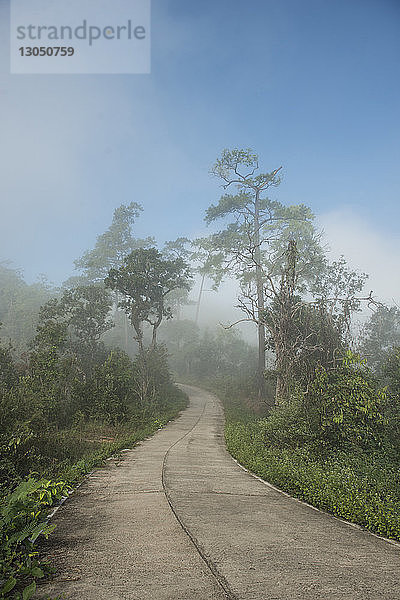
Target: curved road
<point x="178" y="519"/>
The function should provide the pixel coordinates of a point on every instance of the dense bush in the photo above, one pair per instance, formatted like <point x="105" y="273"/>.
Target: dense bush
<point x="391" y="371"/>
<point x="342" y="408"/>
<point x="333" y="445"/>
<point x="46" y="416"/>
<point x="58" y="423"/>
<point x="359" y="487"/>
<point x="207" y="354"/>
<point x="346" y="406"/>
<point x="23" y="513"/>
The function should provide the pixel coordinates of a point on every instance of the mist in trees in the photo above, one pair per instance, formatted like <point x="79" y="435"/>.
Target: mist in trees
<point x="19" y="306"/>
<point x="301" y="303"/>
<point x="89" y="367"/>
<point x="145" y="280"/>
<point x="99" y="351"/>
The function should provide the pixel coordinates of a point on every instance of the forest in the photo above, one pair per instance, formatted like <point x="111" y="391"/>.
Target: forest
<point x="312" y="401"/>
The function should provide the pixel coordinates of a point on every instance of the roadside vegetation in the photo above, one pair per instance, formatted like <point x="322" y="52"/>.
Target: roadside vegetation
<point x="70" y="396"/>
<point x="315" y="409"/>
<point x="336" y="447"/>
<point x="85" y="369"/>
<point x="57" y="424"/>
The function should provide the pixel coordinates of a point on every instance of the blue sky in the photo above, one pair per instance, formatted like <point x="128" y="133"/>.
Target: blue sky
<point x="310" y="85"/>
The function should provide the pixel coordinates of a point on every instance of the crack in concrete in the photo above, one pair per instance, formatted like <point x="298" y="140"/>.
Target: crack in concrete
<point x="222" y="582"/>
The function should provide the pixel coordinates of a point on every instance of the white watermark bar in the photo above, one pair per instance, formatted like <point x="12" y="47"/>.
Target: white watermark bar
<point x="80" y="36"/>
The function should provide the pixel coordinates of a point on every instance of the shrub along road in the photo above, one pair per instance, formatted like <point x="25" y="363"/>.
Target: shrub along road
<point x="178" y="519"/>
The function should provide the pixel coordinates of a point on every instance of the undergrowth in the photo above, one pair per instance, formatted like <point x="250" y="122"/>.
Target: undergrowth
<point x="361" y="487"/>
<point x="23" y="512"/>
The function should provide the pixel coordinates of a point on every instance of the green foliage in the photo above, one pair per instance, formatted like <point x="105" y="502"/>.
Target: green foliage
<point x="19" y="306"/>
<point x="256" y="247"/>
<point x="112" y="246"/>
<point x="335" y="446"/>
<point x="109" y="395"/>
<point x="360" y="487"/>
<point x="391" y="373"/>
<point x="231" y="160"/>
<point x="207" y="354"/>
<point x="8" y="373"/>
<point x="110" y="249"/>
<point x="347" y="405"/>
<point x="22" y="522"/>
<point x="312" y="334"/>
<point x="181" y="338"/>
<point x="83" y="314"/>
<point x="259" y="223"/>
<point x="343" y="408"/>
<point x="39" y="411"/>
<point x="23" y="512"/>
<point x="174" y="401"/>
<point x="380" y="334"/>
<point x="53" y="370"/>
<point x="145" y="279"/>
<point x="391" y="370"/>
<point x="340" y="284"/>
<point x="288" y="427"/>
<point x="71" y="404"/>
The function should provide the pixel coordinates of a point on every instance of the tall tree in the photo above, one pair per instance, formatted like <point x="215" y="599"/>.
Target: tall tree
<point x="85" y="312"/>
<point x="19" y="306"/>
<point x="113" y="245"/>
<point x="110" y="249"/>
<point x="311" y="328"/>
<point x="209" y="264"/>
<point x="179" y="248"/>
<point x="254" y="244"/>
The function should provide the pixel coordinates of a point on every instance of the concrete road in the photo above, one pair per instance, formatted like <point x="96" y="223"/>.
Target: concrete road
<point x="178" y="519"/>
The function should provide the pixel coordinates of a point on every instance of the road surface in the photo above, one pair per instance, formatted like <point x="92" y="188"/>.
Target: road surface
<point x="178" y="519"/>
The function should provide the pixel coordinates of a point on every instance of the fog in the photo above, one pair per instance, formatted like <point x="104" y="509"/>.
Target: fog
<point x="367" y="248"/>
<point x="74" y="147"/>
<point x="259" y="151"/>
<point x="345" y="233"/>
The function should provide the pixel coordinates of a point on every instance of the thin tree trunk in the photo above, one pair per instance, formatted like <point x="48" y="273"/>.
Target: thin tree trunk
<point x="199" y="298"/>
<point x="260" y="300"/>
<point x="283" y="379"/>
<point x="156" y="325"/>
<point x="126" y="331"/>
<point x="284" y="346"/>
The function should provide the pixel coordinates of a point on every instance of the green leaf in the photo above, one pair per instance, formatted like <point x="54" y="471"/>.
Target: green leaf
<point x="37" y="572"/>
<point x="8" y="586"/>
<point x="29" y="591"/>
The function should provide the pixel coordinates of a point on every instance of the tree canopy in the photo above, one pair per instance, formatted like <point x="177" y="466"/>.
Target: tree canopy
<point x="113" y="245"/>
<point x="145" y="279"/>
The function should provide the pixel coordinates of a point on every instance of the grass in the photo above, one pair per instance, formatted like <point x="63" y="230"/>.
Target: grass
<point x="67" y="459"/>
<point x="124" y="438"/>
<point x="359" y="487"/>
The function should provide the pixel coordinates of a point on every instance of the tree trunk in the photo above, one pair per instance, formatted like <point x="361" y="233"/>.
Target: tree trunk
<point x="156" y="325"/>
<point x="283" y="378"/>
<point x="154" y="338"/>
<point x="199" y="298"/>
<point x="260" y="300"/>
<point x="285" y="345"/>
<point x="126" y="331"/>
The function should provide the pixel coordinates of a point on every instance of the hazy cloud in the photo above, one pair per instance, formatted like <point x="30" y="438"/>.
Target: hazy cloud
<point x="366" y="249"/>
